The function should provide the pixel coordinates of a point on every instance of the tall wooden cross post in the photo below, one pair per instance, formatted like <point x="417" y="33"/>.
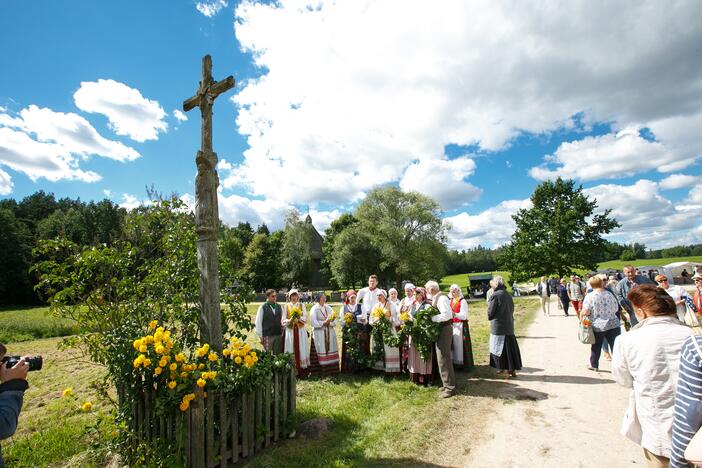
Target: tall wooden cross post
<point x="206" y="209"/>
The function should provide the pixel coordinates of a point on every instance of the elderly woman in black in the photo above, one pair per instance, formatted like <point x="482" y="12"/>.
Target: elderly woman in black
<point x="504" y="350"/>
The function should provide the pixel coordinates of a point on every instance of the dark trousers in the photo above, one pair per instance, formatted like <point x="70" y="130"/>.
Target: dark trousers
<point x="443" y="357"/>
<point x="596" y="348"/>
<point x="566" y="304"/>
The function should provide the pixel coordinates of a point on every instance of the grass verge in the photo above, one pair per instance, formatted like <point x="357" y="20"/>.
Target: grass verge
<point x="32" y="323"/>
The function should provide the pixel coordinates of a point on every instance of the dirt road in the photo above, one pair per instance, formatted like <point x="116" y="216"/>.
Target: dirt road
<point x="560" y="414"/>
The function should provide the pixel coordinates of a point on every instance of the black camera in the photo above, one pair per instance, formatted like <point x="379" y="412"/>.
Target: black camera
<point x="34" y="362"/>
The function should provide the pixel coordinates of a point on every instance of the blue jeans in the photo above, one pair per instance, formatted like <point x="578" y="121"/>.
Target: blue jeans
<point x="596" y="348"/>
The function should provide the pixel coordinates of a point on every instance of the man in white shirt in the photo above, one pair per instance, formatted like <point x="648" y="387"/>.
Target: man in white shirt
<point x="445" y="341"/>
<point x="368" y="298"/>
<point x="545" y="295"/>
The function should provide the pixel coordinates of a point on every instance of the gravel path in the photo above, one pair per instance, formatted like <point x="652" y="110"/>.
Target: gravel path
<point x="559" y="414"/>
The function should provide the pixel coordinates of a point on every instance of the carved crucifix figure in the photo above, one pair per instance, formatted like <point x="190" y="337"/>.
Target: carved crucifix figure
<point x="206" y="209"/>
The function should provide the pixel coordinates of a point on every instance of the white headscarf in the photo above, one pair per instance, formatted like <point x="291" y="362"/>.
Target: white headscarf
<point x="454" y="287"/>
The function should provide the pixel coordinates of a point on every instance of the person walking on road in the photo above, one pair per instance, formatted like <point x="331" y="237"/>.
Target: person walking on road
<point x="629" y="282"/>
<point x="544" y="291"/>
<point x="601" y="307"/>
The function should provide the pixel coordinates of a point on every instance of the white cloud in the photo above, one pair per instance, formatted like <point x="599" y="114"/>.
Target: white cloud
<point x="130" y="202"/>
<point x="443" y="180"/>
<point x="492" y="227"/>
<point x="676" y="181"/>
<point x="648" y="217"/>
<point x="42" y="143"/>
<point x="5" y="183"/>
<point x="128" y="112"/>
<point x="180" y="115"/>
<point x="107" y="193"/>
<point x="367" y="106"/>
<point x="210" y="8"/>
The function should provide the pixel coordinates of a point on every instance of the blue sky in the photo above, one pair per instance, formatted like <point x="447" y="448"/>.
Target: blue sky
<point x="472" y="104"/>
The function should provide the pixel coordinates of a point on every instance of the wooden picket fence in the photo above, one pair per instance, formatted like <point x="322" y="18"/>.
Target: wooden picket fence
<point x="221" y="430"/>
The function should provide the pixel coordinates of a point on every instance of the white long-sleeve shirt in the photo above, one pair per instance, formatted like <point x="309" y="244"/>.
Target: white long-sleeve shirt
<point x="368" y="299"/>
<point x="318" y="314"/>
<point x="303" y="313"/>
<point x="258" y="322"/>
<point x="443" y="303"/>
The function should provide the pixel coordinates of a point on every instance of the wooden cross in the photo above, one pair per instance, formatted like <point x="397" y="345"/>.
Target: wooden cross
<point x="206" y="208"/>
<point x="204" y="98"/>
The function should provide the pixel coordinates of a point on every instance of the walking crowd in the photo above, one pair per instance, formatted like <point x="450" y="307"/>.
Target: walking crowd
<point x="283" y="328"/>
<point x="659" y="357"/>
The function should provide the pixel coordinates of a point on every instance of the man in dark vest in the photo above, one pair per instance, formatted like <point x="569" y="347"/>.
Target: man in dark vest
<point x="268" y="327"/>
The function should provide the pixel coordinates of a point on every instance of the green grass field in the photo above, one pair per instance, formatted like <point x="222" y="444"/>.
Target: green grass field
<point x="32" y="323"/>
<point x="376" y="419"/>
<point x="618" y="264"/>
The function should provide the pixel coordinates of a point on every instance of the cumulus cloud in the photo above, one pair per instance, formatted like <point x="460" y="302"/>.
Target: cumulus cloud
<point x="647" y="216"/>
<point x="335" y="113"/>
<point x="130" y="202"/>
<point x="676" y="181"/>
<point x="5" y="183"/>
<point x="443" y="180"/>
<point x="127" y="111"/>
<point x="179" y="115"/>
<point x="210" y="8"/>
<point x="492" y="227"/>
<point x="42" y="143"/>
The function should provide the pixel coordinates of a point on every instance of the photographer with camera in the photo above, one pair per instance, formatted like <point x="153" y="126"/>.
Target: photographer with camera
<point x="13" y="383"/>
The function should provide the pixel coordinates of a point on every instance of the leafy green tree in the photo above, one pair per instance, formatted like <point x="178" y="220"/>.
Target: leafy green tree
<point x="259" y="268"/>
<point x="559" y="233"/>
<point x="335" y="228"/>
<point x="407" y="230"/>
<point x="353" y="257"/>
<point x="15" y="257"/>
<point x="244" y="232"/>
<point x="296" y="252"/>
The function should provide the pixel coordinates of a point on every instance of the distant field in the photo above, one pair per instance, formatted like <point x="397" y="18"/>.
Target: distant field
<point x="461" y="279"/>
<point x="32" y="323"/>
<point x="618" y="264"/>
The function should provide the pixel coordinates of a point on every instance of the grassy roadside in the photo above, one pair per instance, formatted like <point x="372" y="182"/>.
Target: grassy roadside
<point x="31" y="323"/>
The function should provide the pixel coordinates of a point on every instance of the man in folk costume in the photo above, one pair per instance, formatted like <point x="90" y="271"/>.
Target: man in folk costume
<point x="348" y="364"/>
<point x="420" y="370"/>
<point x="268" y="324"/>
<point x="445" y="341"/>
<point x="294" y="321"/>
<point x="391" y="356"/>
<point x="462" y="347"/>
<point x="324" y="352"/>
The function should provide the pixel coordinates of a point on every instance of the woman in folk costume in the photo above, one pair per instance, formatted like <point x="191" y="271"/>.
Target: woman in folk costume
<point x="405" y="306"/>
<point x="391" y="356"/>
<point x="397" y="303"/>
<point x="419" y="369"/>
<point x="462" y="354"/>
<point x="324" y="352"/>
<point x="294" y="321"/>
<point x="359" y="323"/>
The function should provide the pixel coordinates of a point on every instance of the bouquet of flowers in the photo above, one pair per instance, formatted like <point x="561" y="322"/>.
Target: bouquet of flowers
<point x="333" y="316"/>
<point x="586" y="322"/>
<point x="378" y="312"/>
<point x="404" y="317"/>
<point x="348" y="318"/>
<point x="294" y="315"/>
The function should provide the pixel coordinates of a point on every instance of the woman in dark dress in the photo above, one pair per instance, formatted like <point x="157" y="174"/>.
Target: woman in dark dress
<point x="504" y="350"/>
<point x="563" y="296"/>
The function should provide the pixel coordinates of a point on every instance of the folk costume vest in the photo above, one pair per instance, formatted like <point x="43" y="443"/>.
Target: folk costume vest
<point x="271" y="320"/>
<point x="456" y="309"/>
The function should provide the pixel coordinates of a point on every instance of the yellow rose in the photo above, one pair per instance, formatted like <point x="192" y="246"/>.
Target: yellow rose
<point x="237" y="360"/>
<point x="149" y="339"/>
<point x="172" y="384"/>
<point x="184" y="405"/>
<point x="137" y="363"/>
<point x="68" y="392"/>
<point x="162" y="363"/>
<point x="183" y="375"/>
<point x="253" y="353"/>
<point x="136" y="344"/>
<point x="227" y="352"/>
<point x="248" y="360"/>
<point x="212" y="357"/>
<point x="173" y="366"/>
<point x="160" y="349"/>
<point x="201" y="383"/>
<point x="158" y="371"/>
<point x="87" y="406"/>
<point x="142" y="348"/>
<point x="189" y="397"/>
<point x="153" y="324"/>
<point x="201" y="366"/>
<point x="158" y="336"/>
<point x="180" y="357"/>
<point x="147" y="362"/>
<point x="254" y="359"/>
